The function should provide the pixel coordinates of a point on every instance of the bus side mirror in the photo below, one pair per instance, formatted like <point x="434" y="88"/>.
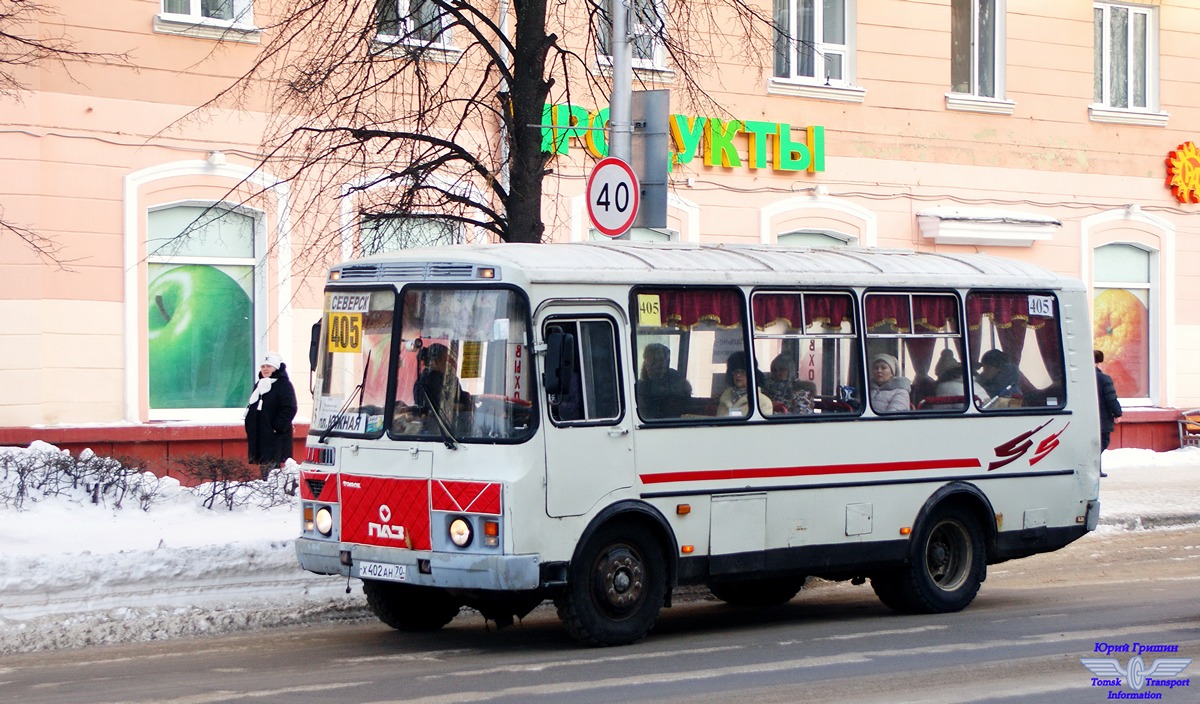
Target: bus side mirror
<point x="560" y="362"/>
<point x="314" y="345"/>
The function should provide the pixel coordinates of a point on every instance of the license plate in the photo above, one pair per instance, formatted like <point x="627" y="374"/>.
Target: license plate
<point x="379" y="570"/>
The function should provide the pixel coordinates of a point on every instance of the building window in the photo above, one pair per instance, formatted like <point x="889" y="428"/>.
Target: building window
<point x="383" y="233"/>
<point x="976" y="41"/>
<point x="1121" y="305"/>
<point x="639" y="234"/>
<point x="812" y="40"/>
<point x="219" y="11"/>
<point x="815" y="238"/>
<point x="200" y="276"/>
<point x="646" y="32"/>
<point x="410" y="21"/>
<point x="1126" y="56"/>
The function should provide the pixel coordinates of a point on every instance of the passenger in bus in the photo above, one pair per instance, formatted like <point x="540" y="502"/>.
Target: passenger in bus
<point x="789" y="394"/>
<point x="735" y="400"/>
<point x="1000" y="378"/>
<point x="949" y="373"/>
<point x="889" y="390"/>
<point x="662" y="392"/>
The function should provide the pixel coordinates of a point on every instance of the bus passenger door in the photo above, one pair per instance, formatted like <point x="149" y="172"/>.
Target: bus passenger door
<point x="589" y="451"/>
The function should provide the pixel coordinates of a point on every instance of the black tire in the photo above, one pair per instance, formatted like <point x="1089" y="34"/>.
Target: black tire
<point x="615" y="588"/>
<point x="410" y="608"/>
<point x="947" y="565"/>
<point x="758" y="592"/>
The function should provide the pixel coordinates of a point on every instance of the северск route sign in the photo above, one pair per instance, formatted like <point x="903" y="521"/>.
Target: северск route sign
<point x="613" y="196"/>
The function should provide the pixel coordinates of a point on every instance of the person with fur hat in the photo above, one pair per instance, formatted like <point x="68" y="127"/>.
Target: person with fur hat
<point x="1000" y="378"/>
<point x="889" y="390"/>
<point x="269" y="414"/>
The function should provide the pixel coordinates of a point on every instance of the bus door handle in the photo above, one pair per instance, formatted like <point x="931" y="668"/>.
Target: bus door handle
<point x="618" y="432"/>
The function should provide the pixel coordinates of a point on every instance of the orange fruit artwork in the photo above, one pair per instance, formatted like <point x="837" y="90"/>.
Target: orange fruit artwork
<point x="1120" y="330"/>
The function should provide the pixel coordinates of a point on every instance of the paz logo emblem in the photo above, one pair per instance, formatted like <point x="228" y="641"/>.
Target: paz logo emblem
<point x="384" y="528"/>
<point x="385" y="513"/>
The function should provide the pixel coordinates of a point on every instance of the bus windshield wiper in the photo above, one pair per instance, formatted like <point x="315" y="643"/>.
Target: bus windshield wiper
<point x="361" y="390"/>
<point x="446" y="436"/>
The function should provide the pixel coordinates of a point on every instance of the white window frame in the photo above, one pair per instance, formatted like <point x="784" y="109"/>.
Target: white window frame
<point x="193" y="23"/>
<point x="658" y="58"/>
<point x="1153" y="303"/>
<point x="1102" y="109"/>
<point x="258" y="301"/>
<point x="408" y="26"/>
<point x="819" y="86"/>
<point x="973" y="99"/>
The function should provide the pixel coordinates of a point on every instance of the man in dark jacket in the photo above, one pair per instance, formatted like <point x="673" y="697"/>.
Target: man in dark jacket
<point x="1110" y="407"/>
<point x="269" y="415"/>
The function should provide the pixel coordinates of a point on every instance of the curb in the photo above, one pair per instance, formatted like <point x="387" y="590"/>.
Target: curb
<point x="1164" y="520"/>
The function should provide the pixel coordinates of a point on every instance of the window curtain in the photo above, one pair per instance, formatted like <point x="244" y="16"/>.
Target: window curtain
<point x="830" y="311"/>
<point x="688" y="307"/>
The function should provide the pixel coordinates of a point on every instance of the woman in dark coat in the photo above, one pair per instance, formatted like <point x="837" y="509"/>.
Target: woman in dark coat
<point x="269" y="415"/>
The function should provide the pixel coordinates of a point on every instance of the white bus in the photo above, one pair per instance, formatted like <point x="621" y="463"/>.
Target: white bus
<point x="599" y="424"/>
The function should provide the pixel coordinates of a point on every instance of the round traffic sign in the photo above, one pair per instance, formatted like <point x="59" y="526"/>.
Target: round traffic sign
<point x="613" y="196"/>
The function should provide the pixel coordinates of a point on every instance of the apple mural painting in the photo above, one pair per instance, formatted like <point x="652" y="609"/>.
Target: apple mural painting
<point x="1121" y="330"/>
<point x="200" y="339"/>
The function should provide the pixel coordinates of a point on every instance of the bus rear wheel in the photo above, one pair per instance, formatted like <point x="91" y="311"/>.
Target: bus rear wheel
<point x="758" y="592"/>
<point x="615" y="588"/>
<point x="946" y="568"/>
<point x="406" y="607"/>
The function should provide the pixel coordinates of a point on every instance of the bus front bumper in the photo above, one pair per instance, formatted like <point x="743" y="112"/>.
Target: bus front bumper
<point x="422" y="568"/>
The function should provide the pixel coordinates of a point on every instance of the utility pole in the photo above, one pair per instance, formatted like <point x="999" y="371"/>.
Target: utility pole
<point x="620" y="117"/>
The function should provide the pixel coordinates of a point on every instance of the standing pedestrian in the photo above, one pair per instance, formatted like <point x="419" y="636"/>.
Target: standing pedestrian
<point x="269" y="415"/>
<point x="1110" y="407"/>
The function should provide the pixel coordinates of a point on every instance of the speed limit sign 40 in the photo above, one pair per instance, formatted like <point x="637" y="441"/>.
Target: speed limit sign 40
<point x="612" y="196"/>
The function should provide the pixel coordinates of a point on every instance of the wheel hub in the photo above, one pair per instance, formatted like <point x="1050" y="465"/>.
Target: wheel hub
<point x="622" y="579"/>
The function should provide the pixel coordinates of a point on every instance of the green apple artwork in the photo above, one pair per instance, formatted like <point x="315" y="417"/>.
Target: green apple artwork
<point x="200" y="339"/>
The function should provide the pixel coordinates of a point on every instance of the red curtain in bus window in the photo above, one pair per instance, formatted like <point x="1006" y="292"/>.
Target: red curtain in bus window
<point x="773" y="308"/>
<point x="887" y="313"/>
<point x="931" y="314"/>
<point x="685" y="308"/>
<point x="828" y="310"/>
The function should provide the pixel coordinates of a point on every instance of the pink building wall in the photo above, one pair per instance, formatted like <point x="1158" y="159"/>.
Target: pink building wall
<point x="91" y="147"/>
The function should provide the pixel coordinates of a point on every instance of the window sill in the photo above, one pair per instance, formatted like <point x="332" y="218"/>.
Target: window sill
<point x="184" y="26"/>
<point x="965" y="102"/>
<point x="394" y="48"/>
<point x="814" y="91"/>
<point x="981" y="227"/>
<point x="644" y="74"/>
<point x="1120" y="116"/>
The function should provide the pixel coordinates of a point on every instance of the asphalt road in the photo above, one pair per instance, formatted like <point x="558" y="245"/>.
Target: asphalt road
<point x="1021" y="641"/>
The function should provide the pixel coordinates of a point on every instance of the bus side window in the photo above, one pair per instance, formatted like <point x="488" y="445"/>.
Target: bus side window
<point x="1015" y="350"/>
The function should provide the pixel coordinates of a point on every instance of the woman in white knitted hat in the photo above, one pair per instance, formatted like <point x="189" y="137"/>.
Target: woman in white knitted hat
<point x="889" y="390"/>
<point x="269" y="414"/>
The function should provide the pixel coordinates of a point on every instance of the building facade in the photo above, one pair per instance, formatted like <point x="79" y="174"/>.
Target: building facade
<point x="1055" y="133"/>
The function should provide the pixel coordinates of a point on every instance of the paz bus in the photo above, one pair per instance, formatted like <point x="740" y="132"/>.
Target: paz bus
<point x="601" y="423"/>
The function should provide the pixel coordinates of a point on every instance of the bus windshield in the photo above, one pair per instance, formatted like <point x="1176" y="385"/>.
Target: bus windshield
<point x="461" y="365"/>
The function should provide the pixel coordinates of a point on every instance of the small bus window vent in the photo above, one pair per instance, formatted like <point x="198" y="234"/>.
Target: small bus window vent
<point x="451" y="271"/>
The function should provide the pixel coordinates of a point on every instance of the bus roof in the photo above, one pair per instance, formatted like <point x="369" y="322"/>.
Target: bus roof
<point x="638" y="262"/>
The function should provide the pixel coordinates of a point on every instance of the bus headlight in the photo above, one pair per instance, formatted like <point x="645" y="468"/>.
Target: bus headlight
<point x="460" y="532"/>
<point x="324" y="521"/>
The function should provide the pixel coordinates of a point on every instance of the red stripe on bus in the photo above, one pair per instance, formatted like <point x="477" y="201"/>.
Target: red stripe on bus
<point x="815" y="470"/>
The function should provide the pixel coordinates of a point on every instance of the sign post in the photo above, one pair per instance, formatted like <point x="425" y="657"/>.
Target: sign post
<point x="613" y="196"/>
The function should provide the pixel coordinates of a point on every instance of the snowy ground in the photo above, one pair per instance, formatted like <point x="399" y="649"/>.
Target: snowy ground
<point x="74" y="574"/>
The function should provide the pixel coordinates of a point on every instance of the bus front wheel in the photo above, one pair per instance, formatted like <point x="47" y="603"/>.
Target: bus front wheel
<point x="615" y="588"/>
<point x="410" y="608"/>
<point x="947" y="566"/>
